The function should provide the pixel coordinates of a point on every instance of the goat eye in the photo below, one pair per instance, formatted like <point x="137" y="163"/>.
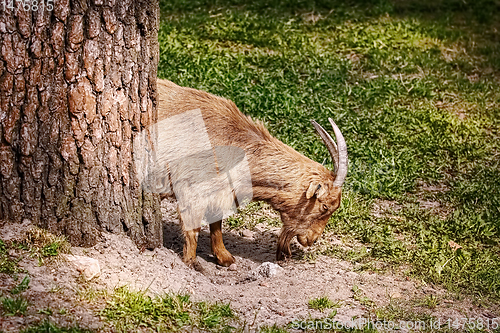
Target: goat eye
<point x="325" y="207"/>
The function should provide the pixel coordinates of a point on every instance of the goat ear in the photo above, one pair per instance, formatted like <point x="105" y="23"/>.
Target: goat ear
<point x="312" y="190"/>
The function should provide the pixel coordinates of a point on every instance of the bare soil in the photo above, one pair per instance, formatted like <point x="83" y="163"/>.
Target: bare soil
<point x="257" y="300"/>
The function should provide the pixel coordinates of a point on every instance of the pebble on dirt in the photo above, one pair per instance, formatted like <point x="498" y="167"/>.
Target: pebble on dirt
<point x="266" y="269"/>
<point x="88" y="267"/>
<point x="247" y="233"/>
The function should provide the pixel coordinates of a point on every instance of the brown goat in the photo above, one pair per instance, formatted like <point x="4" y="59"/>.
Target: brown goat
<point x="303" y="191"/>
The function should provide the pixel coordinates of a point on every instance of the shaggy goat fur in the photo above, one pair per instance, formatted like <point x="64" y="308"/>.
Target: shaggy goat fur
<point x="300" y="189"/>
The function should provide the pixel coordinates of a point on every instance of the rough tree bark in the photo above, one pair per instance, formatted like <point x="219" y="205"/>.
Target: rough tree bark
<point x="76" y="84"/>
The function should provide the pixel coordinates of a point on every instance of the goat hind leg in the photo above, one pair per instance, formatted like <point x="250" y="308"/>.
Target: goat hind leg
<point x="224" y="258"/>
<point x="190" y="245"/>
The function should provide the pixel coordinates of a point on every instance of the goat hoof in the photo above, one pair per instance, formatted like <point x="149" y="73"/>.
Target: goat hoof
<point x="198" y="267"/>
<point x="195" y="264"/>
<point x="225" y="259"/>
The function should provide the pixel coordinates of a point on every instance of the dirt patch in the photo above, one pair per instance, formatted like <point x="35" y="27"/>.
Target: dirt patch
<point x="427" y="199"/>
<point x="258" y="300"/>
<point x="385" y="208"/>
<point x="436" y="188"/>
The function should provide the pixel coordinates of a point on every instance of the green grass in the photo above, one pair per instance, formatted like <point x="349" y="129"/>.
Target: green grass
<point x="14" y="306"/>
<point x="49" y="327"/>
<point x="8" y="264"/>
<point x="87" y="292"/>
<point x="18" y="305"/>
<point x="429" y="301"/>
<point x="128" y="310"/>
<point x="44" y="245"/>
<point x="361" y="297"/>
<point x="396" y="311"/>
<point x="322" y="303"/>
<point x="40" y="243"/>
<point x="414" y="87"/>
<point x="22" y="286"/>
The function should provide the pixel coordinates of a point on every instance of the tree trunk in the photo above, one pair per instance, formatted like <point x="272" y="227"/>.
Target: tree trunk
<point x="77" y="83"/>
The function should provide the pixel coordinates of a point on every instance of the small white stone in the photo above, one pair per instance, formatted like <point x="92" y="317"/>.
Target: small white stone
<point x="247" y="233"/>
<point x="232" y="267"/>
<point x="261" y="227"/>
<point x="88" y="267"/>
<point x="266" y="269"/>
<point x="396" y="294"/>
<point x="269" y="269"/>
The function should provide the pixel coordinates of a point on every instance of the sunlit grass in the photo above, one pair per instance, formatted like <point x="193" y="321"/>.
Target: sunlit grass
<point x="323" y="303"/>
<point x="48" y="326"/>
<point x="14" y="306"/>
<point x="414" y="87"/>
<point x="129" y="310"/>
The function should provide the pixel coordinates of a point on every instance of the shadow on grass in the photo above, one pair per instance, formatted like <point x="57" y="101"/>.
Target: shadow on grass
<point x="474" y="22"/>
<point x="480" y="10"/>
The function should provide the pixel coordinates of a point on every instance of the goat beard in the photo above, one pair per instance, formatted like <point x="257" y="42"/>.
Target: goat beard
<point x="284" y="241"/>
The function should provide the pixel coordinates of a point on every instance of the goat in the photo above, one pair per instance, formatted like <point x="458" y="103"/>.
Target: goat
<point x="304" y="192"/>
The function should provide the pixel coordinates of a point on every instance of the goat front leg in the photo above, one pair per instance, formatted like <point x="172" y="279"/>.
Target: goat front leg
<point x="224" y="258"/>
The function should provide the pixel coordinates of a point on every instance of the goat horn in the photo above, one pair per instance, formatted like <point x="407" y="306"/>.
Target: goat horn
<point x="339" y="154"/>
